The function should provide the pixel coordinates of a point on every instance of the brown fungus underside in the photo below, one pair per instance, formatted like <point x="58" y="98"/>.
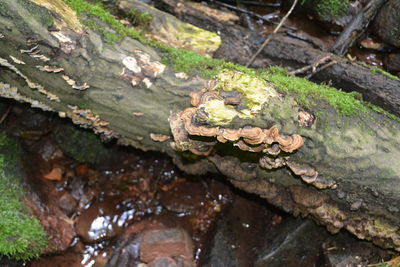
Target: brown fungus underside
<point x="193" y="123"/>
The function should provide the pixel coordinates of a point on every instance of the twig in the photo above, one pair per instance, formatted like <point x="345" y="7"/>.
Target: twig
<point x="5" y="114"/>
<point x="315" y="42"/>
<point x="249" y="22"/>
<point x="327" y="65"/>
<point x="245" y="11"/>
<point x="258" y="3"/>
<point x="313" y="66"/>
<point x="393" y="262"/>
<point x="272" y="34"/>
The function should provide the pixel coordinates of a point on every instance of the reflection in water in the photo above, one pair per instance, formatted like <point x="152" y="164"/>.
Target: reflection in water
<point x="104" y="225"/>
<point x="91" y="252"/>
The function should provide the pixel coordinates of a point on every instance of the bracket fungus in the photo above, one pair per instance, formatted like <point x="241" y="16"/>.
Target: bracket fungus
<point x="216" y="105"/>
<point x="31" y="84"/>
<point x="159" y="137"/>
<point x="85" y="118"/>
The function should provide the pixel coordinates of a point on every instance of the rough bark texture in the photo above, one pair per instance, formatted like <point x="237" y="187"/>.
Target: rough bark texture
<point x="131" y="96"/>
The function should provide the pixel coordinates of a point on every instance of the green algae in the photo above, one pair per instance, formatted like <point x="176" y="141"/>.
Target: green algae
<point x="256" y="91"/>
<point x="219" y="113"/>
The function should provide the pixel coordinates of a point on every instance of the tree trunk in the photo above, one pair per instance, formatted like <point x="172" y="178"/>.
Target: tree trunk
<point x="342" y="171"/>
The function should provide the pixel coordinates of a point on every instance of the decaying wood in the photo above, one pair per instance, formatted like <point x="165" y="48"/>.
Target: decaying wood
<point x="265" y="43"/>
<point x="343" y="173"/>
<point x="238" y="45"/>
<point x="357" y="27"/>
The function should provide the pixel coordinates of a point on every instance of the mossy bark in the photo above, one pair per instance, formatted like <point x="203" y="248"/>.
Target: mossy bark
<point x="122" y="91"/>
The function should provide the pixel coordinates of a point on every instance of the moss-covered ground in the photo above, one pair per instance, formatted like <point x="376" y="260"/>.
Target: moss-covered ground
<point x="21" y="236"/>
<point x="328" y="9"/>
<point x="192" y="63"/>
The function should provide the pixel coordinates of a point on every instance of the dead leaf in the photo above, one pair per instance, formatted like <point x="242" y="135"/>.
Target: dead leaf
<point x="54" y="175"/>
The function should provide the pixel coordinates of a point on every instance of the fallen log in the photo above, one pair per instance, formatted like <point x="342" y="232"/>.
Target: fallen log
<point x="239" y="45"/>
<point x="308" y="149"/>
<point x="356" y="27"/>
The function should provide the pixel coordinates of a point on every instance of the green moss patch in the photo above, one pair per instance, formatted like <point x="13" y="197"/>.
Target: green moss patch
<point x="345" y="103"/>
<point x="328" y="9"/>
<point x="98" y="11"/>
<point x="139" y="19"/>
<point x="21" y="236"/>
<point x="387" y="74"/>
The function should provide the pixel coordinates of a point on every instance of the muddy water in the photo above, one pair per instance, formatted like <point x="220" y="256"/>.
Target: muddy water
<point x="99" y="214"/>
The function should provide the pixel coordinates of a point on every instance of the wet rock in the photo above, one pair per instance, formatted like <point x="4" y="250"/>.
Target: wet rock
<point x="334" y="14"/>
<point x="294" y="243"/>
<point x="71" y="258"/>
<point x="7" y="262"/>
<point x="67" y="203"/>
<point x="125" y="251"/>
<point x="344" y="250"/>
<point x="82" y="145"/>
<point x="170" y="262"/>
<point x="299" y="242"/>
<point x="172" y="242"/>
<point x="43" y="153"/>
<point x="184" y="197"/>
<point x="28" y="124"/>
<point x="58" y="227"/>
<point x="100" y="221"/>
<point x="386" y="24"/>
<point x="239" y="233"/>
<point x="392" y="62"/>
<point x="163" y="262"/>
<point x="65" y="260"/>
<point x="222" y="250"/>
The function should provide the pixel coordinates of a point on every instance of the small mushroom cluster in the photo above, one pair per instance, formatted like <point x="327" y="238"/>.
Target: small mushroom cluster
<point x="307" y="173"/>
<point x="87" y="119"/>
<point x="139" y="68"/>
<point x="34" y="51"/>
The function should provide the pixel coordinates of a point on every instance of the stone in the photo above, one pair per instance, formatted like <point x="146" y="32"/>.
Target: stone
<point x="296" y="242"/>
<point x="392" y="62"/>
<point x="98" y="222"/>
<point x="125" y="251"/>
<point x="166" y="243"/>
<point x="344" y="250"/>
<point x="386" y="24"/>
<point x="163" y="262"/>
